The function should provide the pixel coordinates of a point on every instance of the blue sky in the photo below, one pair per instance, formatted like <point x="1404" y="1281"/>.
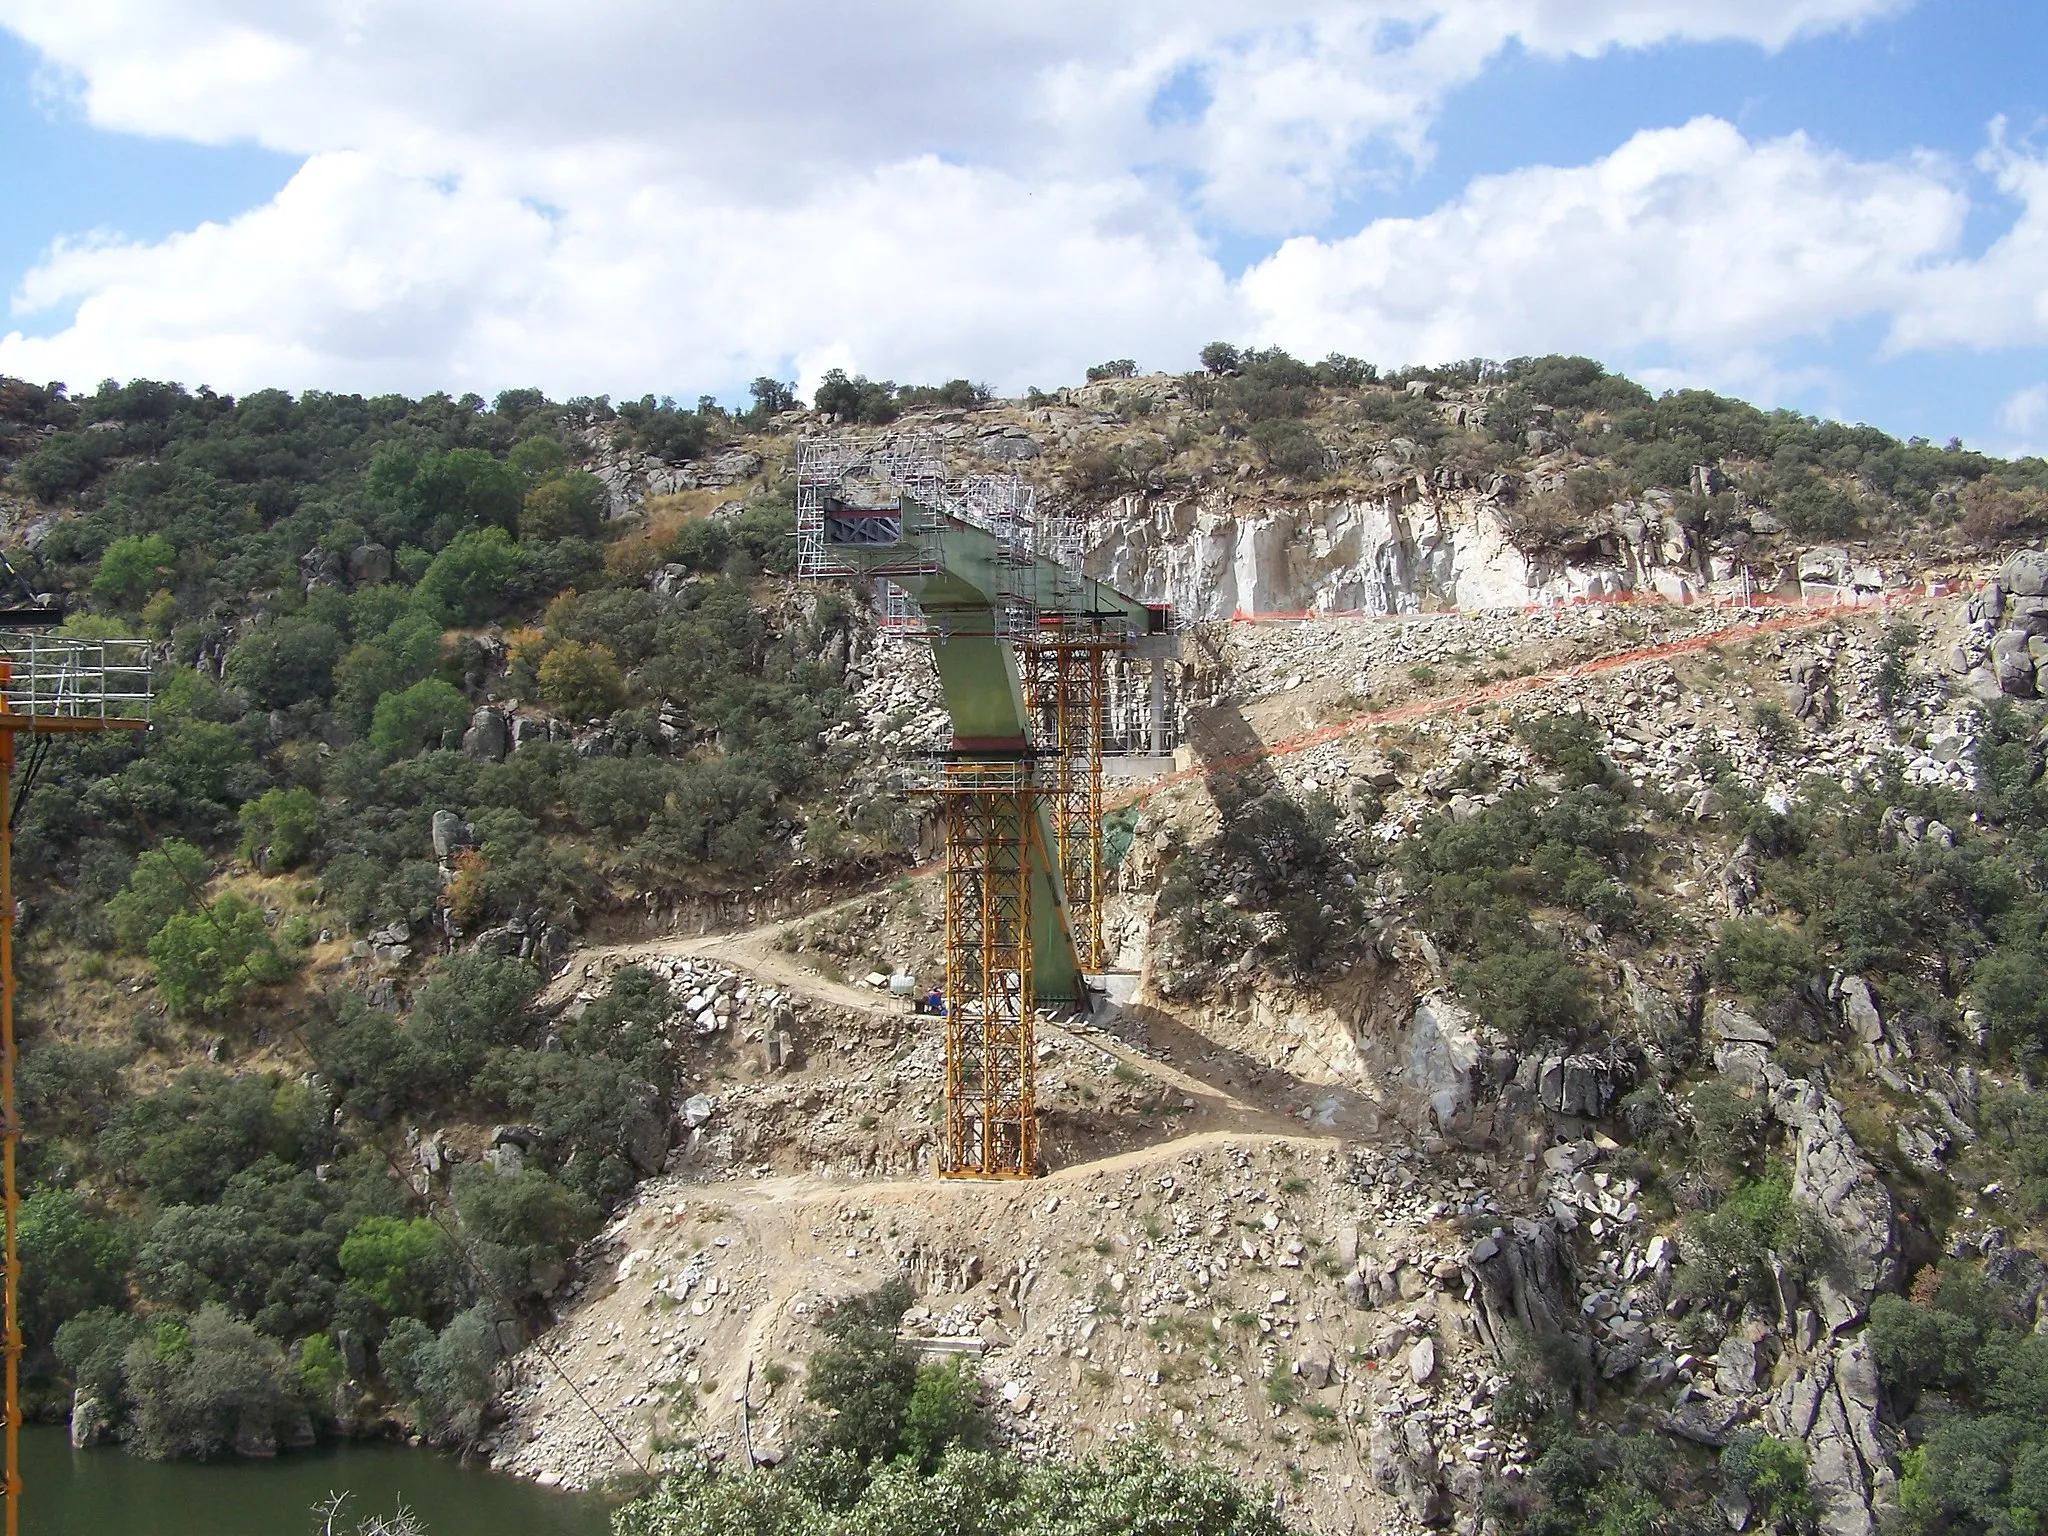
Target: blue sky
<point x="351" y="196"/>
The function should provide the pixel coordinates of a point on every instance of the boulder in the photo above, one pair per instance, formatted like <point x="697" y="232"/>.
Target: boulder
<point x="368" y="565"/>
<point x="1422" y="1361"/>
<point x="1735" y="1365"/>
<point x="1664" y="1029"/>
<point x="646" y="1132"/>
<point x="90" y="1422"/>
<point x="450" y="833"/>
<point x="2012" y="664"/>
<point x="1830" y="1174"/>
<point x="2028" y="615"/>
<point x="1732" y="1024"/>
<point x="1403" y="1461"/>
<point x="2025" y="574"/>
<point x="1580" y="1085"/>
<point x="1442" y="1050"/>
<point x="2020" y="1273"/>
<point x="1522" y="1276"/>
<point x="488" y="738"/>
<point x="1834" y="1471"/>
<point x="1859" y="1011"/>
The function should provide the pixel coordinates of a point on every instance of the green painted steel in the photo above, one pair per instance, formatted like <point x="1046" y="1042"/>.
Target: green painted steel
<point x="983" y="689"/>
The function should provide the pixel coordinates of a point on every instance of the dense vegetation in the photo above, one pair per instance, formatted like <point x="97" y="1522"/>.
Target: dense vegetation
<point x="333" y="586"/>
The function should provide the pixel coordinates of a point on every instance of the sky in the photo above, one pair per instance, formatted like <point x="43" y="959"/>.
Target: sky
<point x="1840" y="206"/>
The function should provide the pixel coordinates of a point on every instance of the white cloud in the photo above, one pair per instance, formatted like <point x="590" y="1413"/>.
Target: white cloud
<point x="1691" y="242"/>
<point x="357" y="277"/>
<point x="2024" y="418"/>
<point x="643" y="195"/>
<point x="770" y="97"/>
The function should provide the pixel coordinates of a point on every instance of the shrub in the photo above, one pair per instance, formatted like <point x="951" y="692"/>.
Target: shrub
<point x="131" y="569"/>
<point x="470" y="1004"/>
<point x="166" y="881"/>
<point x="1290" y="447"/>
<point x="471" y="579"/>
<point x="1526" y="990"/>
<point x="186" y="1140"/>
<point x="285" y="661"/>
<point x="1772" y="1472"/>
<point x="206" y="960"/>
<point x="528" y="1219"/>
<point x="1760" y="959"/>
<point x="198" y="1387"/>
<point x="582" y="681"/>
<point x="72" y="1262"/>
<point x="280" y="828"/>
<point x="417" y="718"/>
<point x="91" y="1350"/>
<point x="863" y="1377"/>
<point x="404" y="1267"/>
<point x="444" y="1378"/>
<point x="67" y="462"/>
<point x="568" y="506"/>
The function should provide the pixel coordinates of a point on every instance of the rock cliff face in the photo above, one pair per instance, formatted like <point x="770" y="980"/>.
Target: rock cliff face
<point x="1218" y="554"/>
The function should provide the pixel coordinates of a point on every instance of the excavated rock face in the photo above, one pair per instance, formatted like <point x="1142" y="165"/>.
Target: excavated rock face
<point x="1217" y="555"/>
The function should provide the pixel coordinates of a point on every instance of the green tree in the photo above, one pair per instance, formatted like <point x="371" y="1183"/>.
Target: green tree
<point x="280" y="828"/>
<point x="771" y="396"/>
<point x="166" y="881"/>
<point x="474" y="577"/>
<point x="1760" y="959"/>
<point x="90" y="1349"/>
<point x="537" y="458"/>
<point x="1772" y="1472"/>
<point x="406" y="651"/>
<point x="206" y="960"/>
<point x="568" y="506"/>
<point x="132" y="568"/>
<point x="285" y="661"/>
<point x="417" y="717"/>
<point x="582" y="681"/>
<point x="444" y="1378"/>
<point x="405" y="1267"/>
<point x="200" y="1388"/>
<point x="72" y="1261"/>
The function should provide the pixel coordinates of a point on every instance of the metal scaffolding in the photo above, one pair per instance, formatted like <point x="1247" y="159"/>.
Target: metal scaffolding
<point x="991" y="1111"/>
<point x="1063" y="691"/>
<point x="1036" y="660"/>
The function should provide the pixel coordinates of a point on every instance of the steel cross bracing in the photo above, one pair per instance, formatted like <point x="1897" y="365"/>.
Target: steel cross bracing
<point x="1063" y="690"/>
<point x="991" y="1110"/>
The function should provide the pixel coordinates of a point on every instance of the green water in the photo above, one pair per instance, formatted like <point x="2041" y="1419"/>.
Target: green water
<point x="107" y="1492"/>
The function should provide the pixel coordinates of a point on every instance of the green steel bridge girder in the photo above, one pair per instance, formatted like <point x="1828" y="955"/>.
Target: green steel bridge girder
<point x="981" y="682"/>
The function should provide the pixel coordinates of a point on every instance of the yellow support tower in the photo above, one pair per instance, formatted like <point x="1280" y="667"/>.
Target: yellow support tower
<point x="50" y="686"/>
<point x="1064" y="695"/>
<point x="991" y="1129"/>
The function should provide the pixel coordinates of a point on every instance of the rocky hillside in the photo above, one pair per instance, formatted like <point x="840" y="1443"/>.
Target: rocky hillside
<point x="1578" y="1072"/>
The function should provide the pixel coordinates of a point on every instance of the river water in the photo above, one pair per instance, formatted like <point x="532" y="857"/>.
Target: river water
<point x="106" y="1492"/>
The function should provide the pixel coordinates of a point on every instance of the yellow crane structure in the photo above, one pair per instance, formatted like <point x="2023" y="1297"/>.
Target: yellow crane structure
<point x="50" y="685"/>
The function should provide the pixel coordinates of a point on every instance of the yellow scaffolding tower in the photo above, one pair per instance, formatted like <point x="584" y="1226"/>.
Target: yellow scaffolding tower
<point x="990" y="813"/>
<point x="1063" y="683"/>
<point x="50" y="686"/>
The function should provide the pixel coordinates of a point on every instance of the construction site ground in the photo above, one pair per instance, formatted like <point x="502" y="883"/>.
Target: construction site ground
<point x="1217" y="1181"/>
